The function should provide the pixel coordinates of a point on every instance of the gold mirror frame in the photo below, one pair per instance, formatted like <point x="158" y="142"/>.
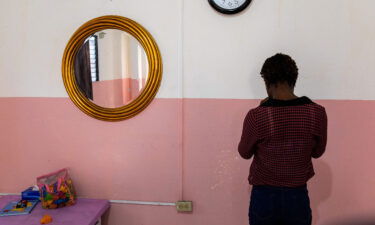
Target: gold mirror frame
<point x="154" y="62"/>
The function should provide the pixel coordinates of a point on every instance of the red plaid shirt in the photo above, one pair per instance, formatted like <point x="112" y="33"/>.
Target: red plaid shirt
<point x="283" y="136"/>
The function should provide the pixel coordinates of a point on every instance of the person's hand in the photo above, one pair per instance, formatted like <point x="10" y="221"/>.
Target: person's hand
<point x="264" y="100"/>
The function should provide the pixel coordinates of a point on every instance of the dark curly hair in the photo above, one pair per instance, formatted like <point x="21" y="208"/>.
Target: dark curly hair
<point x="278" y="69"/>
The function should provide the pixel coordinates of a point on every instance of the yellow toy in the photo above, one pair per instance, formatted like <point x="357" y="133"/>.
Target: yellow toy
<point x="46" y="219"/>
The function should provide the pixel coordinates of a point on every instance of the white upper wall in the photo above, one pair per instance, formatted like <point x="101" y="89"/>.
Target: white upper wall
<point x="332" y="41"/>
<point x="34" y="33"/>
<point x="207" y="55"/>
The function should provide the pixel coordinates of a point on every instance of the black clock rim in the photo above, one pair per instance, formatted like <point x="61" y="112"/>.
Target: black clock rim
<point x="229" y="11"/>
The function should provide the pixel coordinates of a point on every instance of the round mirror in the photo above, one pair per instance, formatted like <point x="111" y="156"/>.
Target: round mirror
<point x="111" y="68"/>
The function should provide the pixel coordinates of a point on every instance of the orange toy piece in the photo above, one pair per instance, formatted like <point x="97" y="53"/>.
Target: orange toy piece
<point x="46" y="219"/>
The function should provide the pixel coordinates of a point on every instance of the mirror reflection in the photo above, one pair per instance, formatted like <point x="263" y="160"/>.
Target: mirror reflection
<point x="111" y="68"/>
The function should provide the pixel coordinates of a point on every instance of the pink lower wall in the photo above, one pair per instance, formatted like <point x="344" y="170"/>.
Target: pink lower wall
<point x="150" y="158"/>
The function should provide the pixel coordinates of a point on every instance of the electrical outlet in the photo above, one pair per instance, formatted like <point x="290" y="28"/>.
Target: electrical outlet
<point x="184" y="206"/>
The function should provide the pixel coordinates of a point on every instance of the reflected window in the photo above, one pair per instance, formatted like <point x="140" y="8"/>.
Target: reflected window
<point x="94" y="65"/>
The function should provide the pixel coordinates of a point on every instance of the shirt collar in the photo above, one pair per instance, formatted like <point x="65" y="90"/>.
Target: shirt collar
<point x="293" y="102"/>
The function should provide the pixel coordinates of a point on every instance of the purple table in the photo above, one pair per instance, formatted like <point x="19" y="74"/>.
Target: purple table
<point x="84" y="212"/>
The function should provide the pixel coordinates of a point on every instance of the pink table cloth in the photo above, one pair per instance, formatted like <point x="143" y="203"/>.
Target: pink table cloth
<point x="84" y="212"/>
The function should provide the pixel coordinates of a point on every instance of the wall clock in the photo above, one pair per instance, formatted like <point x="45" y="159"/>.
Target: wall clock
<point x="229" y="6"/>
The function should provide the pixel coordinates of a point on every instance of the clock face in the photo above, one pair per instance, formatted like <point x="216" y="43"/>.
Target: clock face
<point x="229" y="6"/>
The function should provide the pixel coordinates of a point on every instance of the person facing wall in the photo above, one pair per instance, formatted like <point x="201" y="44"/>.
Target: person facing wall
<point x="283" y="134"/>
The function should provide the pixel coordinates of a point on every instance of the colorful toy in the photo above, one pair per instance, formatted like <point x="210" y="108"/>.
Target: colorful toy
<point x="56" y="190"/>
<point x="46" y="219"/>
